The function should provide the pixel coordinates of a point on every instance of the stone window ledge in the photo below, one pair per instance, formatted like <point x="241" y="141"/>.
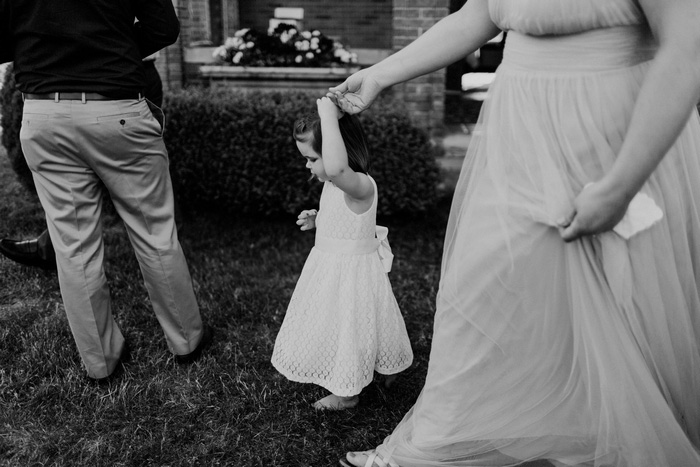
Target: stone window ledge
<point x="277" y="73"/>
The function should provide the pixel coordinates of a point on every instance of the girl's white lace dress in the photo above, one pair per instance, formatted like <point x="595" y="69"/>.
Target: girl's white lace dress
<point x="343" y="321"/>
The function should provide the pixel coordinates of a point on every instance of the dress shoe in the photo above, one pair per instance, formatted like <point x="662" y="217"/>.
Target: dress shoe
<point x="207" y="336"/>
<point x="26" y="252"/>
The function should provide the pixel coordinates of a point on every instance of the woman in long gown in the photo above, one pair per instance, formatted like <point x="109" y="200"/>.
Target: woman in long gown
<point x="556" y="336"/>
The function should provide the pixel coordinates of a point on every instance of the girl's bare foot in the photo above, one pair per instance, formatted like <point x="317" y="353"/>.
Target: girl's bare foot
<point x="333" y="402"/>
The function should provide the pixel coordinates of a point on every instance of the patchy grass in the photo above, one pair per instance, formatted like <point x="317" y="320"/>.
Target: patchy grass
<point x="229" y="408"/>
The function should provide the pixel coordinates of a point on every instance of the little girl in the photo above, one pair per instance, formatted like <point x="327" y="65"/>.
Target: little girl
<point x="343" y="322"/>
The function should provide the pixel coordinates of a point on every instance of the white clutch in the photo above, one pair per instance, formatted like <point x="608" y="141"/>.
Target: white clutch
<point x="641" y="214"/>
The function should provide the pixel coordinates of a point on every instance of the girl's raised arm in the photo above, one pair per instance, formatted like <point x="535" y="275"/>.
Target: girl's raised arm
<point x="335" y="156"/>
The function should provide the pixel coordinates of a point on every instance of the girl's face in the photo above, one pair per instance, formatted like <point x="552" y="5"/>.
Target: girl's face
<point x="313" y="160"/>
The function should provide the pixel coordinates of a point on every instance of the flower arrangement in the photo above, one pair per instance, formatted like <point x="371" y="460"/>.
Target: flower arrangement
<point x="284" y="46"/>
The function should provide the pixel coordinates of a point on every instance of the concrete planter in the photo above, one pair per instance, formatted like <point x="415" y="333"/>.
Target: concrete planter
<point x="274" y="78"/>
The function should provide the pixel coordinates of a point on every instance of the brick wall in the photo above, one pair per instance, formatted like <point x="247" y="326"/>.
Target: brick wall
<point x="195" y="28"/>
<point x="425" y="95"/>
<point x="355" y="23"/>
<point x="198" y="20"/>
<point x="372" y="24"/>
<point x="169" y="62"/>
<point x="194" y="21"/>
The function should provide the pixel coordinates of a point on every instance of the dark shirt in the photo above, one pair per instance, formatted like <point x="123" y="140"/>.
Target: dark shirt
<point x="84" y="46"/>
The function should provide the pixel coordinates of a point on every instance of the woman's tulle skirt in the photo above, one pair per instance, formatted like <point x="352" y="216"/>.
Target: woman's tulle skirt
<point x="584" y="353"/>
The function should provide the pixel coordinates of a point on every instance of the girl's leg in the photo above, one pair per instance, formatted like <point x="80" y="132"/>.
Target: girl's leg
<point x="389" y="380"/>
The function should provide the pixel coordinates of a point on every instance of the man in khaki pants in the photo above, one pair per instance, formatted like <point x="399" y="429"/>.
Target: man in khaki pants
<point x="85" y="121"/>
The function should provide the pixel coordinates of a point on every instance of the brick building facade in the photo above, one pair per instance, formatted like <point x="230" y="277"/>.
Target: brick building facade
<point x="373" y="27"/>
<point x="362" y="24"/>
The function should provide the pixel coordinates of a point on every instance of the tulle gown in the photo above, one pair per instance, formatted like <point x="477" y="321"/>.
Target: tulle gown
<point x="587" y="353"/>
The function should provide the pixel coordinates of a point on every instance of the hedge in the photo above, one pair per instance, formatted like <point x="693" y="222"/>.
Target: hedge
<point x="236" y="151"/>
<point x="233" y="153"/>
<point x="10" y="121"/>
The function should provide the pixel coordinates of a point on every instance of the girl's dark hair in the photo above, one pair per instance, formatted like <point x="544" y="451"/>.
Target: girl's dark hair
<point x="308" y="128"/>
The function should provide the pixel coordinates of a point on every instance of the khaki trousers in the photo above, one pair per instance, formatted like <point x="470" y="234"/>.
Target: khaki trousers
<point x="71" y="146"/>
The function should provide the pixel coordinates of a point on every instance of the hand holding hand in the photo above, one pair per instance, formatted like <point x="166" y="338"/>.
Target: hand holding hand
<point x="357" y="93"/>
<point x="596" y="210"/>
<point x="328" y="109"/>
<point x="307" y="219"/>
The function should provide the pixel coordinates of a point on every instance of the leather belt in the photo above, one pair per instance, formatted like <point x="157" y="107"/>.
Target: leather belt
<point x="78" y="96"/>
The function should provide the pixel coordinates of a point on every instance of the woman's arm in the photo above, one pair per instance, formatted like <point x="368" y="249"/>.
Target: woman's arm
<point x="669" y="94"/>
<point x="452" y="38"/>
<point x="335" y="156"/>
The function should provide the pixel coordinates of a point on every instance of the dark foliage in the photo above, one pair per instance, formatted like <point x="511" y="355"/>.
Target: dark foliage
<point x="234" y="151"/>
<point x="11" y="105"/>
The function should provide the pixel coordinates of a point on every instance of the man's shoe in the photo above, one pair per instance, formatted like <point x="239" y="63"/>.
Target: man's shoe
<point x="207" y="336"/>
<point x="26" y="252"/>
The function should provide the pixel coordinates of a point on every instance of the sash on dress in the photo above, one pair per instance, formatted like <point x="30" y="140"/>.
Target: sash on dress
<point x="380" y="244"/>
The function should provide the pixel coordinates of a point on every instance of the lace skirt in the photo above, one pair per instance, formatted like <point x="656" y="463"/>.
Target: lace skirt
<point x="342" y="324"/>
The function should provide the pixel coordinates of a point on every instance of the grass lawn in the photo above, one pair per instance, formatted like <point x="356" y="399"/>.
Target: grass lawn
<point x="229" y="408"/>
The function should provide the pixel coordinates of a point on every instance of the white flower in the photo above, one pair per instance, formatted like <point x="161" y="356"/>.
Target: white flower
<point x="292" y="31"/>
<point x="306" y="35"/>
<point x="241" y="32"/>
<point x="237" y="57"/>
<point x="233" y="43"/>
<point x="298" y="59"/>
<point x="347" y="57"/>
<point x="284" y="37"/>
<point x="309" y="55"/>
<point x="220" y="52"/>
<point x="302" y="45"/>
<point x="250" y="44"/>
<point x="315" y="32"/>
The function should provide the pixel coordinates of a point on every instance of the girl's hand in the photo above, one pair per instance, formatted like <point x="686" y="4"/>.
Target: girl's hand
<point x="596" y="209"/>
<point x="357" y="93"/>
<point x="307" y="219"/>
<point x="328" y="109"/>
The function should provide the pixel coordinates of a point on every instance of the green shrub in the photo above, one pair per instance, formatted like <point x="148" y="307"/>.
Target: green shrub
<point x="11" y="105"/>
<point x="233" y="153"/>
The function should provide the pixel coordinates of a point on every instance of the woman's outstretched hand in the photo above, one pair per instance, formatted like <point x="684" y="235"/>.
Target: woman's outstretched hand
<point x="595" y="210"/>
<point x="357" y="93"/>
